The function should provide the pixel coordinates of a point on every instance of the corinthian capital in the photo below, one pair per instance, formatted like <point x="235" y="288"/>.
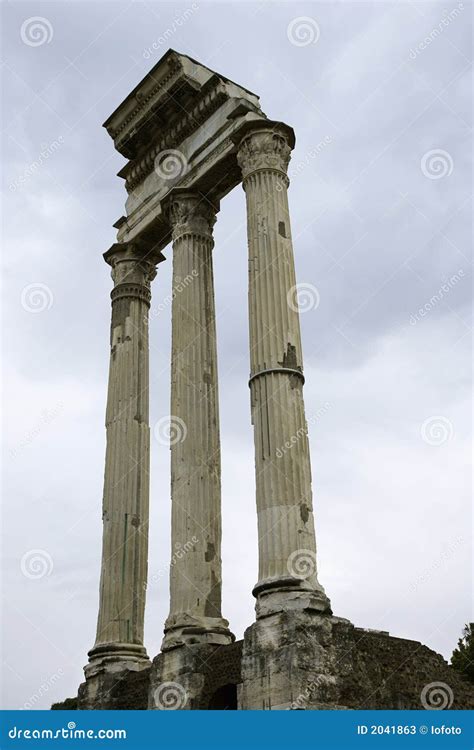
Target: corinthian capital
<point x="190" y="213"/>
<point x="265" y="148"/>
<point x="131" y="264"/>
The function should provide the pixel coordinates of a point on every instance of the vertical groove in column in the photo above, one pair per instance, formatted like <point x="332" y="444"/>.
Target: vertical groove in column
<point x="287" y="545"/>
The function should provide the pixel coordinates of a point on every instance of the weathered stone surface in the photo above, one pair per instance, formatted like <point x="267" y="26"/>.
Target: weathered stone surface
<point x="115" y="689"/>
<point x="299" y="662"/>
<point x="285" y="656"/>
<point x="286" y="538"/>
<point x="307" y="661"/>
<point x="389" y="672"/>
<point x="176" y="129"/>
<point x="119" y="638"/>
<point x="68" y="704"/>
<point x="196" y="575"/>
<point x="189" y="678"/>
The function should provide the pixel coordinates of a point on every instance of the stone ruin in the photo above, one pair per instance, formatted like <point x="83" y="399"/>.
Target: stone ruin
<point x="190" y="135"/>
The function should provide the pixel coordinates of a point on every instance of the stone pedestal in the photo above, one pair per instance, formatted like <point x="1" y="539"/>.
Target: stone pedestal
<point x="308" y="661"/>
<point x="196" y="677"/>
<point x="123" y="685"/>
<point x="290" y="661"/>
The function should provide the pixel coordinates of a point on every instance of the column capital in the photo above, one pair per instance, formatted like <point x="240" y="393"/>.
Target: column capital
<point x="133" y="269"/>
<point x="190" y="214"/>
<point x="265" y="147"/>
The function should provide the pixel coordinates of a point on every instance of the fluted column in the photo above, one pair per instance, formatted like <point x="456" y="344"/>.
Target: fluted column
<point x="126" y="482"/>
<point x="287" y="545"/>
<point x="195" y="571"/>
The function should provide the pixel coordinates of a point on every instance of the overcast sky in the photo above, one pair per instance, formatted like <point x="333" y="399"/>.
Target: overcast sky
<point x="379" y="97"/>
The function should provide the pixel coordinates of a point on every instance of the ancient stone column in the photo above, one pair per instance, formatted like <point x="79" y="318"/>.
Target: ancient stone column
<point x="126" y="484"/>
<point x="287" y="545"/>
<point x="195" y="571"/>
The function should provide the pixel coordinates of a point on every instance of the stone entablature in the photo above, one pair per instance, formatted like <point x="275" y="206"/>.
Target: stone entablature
<point x="137" y="169"/>
<point x="177" y="128"/>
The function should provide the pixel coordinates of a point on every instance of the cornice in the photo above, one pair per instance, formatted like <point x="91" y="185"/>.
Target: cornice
<point x="143" y="101"/>
<point x="138" y="169"/>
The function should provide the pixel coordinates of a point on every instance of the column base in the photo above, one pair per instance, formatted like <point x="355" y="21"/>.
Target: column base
<point x="117" y="677"/>
<point x="289" y="661"/>
<point x="186" y="630"/>
<point x="289" y="594"/>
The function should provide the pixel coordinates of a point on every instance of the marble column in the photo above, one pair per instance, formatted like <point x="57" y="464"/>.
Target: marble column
<point x="287" y="545"/>
<point x="126" y="483"/>
<point x="195" y="571"/>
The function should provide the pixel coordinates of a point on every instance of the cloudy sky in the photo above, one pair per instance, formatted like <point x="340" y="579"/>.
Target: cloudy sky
<point x="379" y="96"/>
